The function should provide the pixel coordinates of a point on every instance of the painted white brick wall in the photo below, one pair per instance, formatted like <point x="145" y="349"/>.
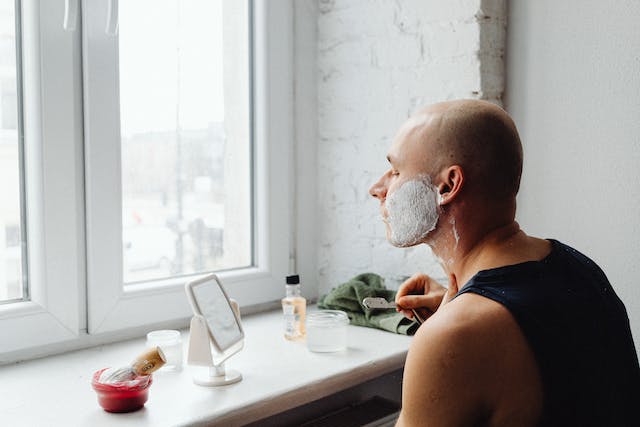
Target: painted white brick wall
<point x="379" y="61"/>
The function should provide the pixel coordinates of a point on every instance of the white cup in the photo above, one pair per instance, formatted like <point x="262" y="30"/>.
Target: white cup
<point x="170" y="342"/>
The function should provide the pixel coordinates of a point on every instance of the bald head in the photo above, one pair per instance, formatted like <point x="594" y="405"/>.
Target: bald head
<point x="477" y="135"/>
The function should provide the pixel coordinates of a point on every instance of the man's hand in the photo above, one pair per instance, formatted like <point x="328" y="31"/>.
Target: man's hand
<point x="422" y="293"/>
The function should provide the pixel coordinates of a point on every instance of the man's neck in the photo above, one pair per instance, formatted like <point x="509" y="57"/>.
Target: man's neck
<point x="464" y="250"/>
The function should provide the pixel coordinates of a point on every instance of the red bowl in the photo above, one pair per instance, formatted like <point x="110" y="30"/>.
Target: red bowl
<point x="125" y="396"/>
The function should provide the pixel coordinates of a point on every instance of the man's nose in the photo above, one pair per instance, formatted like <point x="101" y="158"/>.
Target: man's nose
<point x="379" y="189"/>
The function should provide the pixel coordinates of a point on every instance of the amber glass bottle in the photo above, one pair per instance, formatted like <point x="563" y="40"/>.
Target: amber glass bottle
<point x="294" y="308"/>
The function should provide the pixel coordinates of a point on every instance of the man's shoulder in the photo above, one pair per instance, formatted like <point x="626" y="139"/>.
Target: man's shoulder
<point x="446" y="369"/>
<point x="476" y="330"/>
<point x="473" y="329"/>
<point x="467" y="314"/>
<point x="473" y="348"/>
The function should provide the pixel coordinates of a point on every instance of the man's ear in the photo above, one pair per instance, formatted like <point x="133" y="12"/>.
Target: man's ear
<point x="452" y="179"/>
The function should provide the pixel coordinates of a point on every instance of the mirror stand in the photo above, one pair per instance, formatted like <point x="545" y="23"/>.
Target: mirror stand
<point x="218" y="376"/>
<point x="200" y="354"/>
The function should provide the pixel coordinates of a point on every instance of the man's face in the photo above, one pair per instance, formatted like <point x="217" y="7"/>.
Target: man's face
<point x="408" y="198"/>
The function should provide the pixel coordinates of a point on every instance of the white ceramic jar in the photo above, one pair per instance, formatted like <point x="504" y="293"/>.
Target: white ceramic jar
<point x="327" y="331"/>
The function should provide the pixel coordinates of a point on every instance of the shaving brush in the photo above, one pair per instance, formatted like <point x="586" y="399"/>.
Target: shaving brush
<point x="146" y="363"/>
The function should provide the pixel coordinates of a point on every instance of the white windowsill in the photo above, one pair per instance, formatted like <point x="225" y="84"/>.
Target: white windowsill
<point x="277" y="375"/>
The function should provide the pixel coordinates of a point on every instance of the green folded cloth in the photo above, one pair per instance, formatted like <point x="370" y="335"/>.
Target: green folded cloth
<point x="348" y="298"/>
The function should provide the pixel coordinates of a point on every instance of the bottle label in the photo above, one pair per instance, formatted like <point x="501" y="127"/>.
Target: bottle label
<point x="289" y="320"/>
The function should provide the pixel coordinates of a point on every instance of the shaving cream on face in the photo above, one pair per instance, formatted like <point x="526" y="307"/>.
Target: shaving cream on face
<point x="413" y="212"/>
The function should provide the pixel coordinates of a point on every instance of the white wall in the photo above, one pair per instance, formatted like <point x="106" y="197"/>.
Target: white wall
<point x="378" y="61"/>
<point x="573" y="88"/>
<point x="305" y="184"/>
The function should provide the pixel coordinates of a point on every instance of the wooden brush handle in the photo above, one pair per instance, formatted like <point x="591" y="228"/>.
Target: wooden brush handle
<point x="149" y="361"/>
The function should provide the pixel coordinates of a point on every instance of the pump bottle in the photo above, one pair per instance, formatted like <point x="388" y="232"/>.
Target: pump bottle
<point x="294" y="308"/>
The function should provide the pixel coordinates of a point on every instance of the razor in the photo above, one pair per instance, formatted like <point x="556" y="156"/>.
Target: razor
<point x="377" y="302"/>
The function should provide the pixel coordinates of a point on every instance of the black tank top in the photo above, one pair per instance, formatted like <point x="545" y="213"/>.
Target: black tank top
<point x="579" y="332"/>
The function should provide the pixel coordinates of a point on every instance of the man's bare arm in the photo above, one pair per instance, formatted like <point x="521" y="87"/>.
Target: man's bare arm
<point x="469" y="364"/>
<point x="441" y="384"/>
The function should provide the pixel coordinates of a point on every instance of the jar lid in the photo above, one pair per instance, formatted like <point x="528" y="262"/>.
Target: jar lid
<point x="328" y="318"/>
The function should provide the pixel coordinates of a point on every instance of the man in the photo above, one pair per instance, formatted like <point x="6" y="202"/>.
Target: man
<point x="529" y="331"/>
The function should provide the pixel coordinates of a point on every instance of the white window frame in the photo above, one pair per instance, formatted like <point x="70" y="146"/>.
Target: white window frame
<point x="54" y="193"/>
<point x="75" y="274"/>
<point x="113" y="307"/>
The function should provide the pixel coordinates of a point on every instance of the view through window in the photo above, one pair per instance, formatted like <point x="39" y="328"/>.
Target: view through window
<point x="186" y="149"/>
<point x="11" y="224"/>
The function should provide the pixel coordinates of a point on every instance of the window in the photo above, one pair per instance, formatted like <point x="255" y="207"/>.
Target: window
<point x="157" y="145"/>
<point x="49" y="184"/>
<point x="12" y="284"/>
<point x="184" y="131"/>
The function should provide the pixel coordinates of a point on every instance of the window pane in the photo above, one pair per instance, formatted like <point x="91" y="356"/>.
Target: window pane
<point x="11" y="254"/>
<point x="186" y="152"/>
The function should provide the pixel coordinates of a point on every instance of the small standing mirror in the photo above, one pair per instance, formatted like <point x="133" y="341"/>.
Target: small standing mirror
<point x="216" y="331"/>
